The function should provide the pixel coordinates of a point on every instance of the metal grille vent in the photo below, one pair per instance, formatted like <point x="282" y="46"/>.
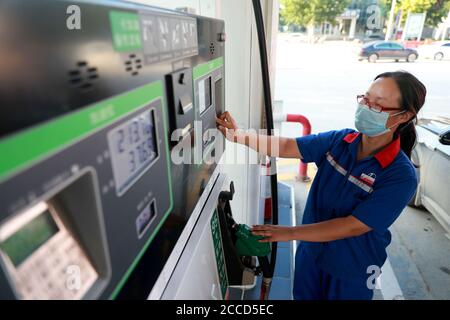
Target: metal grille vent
<point x="83" y="76"/>
<point x="133" y="64"/>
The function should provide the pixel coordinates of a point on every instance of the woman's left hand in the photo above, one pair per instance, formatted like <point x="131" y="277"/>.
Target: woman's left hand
<point x="272" y="233"/>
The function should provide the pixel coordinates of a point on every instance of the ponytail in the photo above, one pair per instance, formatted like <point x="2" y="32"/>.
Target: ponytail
<point x="408" y="137"/>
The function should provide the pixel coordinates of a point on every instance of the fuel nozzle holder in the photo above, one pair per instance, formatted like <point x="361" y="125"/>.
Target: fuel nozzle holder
<point x="241" y="248"/>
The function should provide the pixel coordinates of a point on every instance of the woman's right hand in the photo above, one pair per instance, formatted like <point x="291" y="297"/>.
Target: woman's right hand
<point x="285" y="147"/>
<point x="228" y="126"/>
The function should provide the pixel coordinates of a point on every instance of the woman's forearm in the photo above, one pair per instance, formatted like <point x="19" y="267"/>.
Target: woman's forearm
<point x="266" y="145"/>
<point x="272" y="146"/>
<point x="334" y="229"/>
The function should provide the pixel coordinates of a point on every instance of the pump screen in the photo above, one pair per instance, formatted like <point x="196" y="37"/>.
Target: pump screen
<point x="133" y="148"/>
<point x="29" y="238"/>
<point x="204" y="94"/>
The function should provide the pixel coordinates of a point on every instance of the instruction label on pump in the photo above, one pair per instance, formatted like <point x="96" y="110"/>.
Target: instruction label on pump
<point x="220" y="259"/>
<point x="126" y="31"/>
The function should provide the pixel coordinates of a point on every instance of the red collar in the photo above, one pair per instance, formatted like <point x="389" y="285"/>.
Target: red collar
<point x="385" y="156"/>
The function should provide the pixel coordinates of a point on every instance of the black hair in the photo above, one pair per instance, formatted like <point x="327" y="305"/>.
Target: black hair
<point x="413" y="93"/>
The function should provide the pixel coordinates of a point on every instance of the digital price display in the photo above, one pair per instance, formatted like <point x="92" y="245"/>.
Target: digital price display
<point x="133" y="148"/>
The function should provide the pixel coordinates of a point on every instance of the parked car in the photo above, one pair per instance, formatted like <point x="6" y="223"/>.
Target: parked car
<point x="375" y="50"/>
<point x="373" y="37"/>
<point x="432" y="156"/>
<point x="437" y="51"/>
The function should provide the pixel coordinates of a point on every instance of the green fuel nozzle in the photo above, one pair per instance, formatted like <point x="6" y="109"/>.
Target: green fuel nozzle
<point x="248" y="244"/>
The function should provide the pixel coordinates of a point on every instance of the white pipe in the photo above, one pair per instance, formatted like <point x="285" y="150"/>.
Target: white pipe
<point x="391" y="19"/>
<point x="279" y="117"/>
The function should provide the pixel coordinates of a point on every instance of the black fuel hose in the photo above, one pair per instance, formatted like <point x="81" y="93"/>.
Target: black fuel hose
<point x="269" y="119"/>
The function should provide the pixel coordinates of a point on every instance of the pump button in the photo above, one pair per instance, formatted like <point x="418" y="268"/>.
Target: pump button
<point x="185" y="104"/>
<point x="222" y="37"/>
<point x="182" y="79"/>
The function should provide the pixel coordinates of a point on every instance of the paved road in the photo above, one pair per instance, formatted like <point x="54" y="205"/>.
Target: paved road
<point x="321" y="81"/>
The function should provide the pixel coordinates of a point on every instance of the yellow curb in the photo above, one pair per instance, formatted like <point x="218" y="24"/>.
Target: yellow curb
<point x="287" y="176"/>
<point x="284" y="162"/>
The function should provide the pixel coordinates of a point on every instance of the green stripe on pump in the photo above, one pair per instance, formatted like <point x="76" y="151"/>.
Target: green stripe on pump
<point x="203" y="69"/>
<point x="27" y="147"/>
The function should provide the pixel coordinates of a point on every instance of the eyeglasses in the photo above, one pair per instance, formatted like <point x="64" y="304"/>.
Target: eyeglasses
<point x="362" y="99"/>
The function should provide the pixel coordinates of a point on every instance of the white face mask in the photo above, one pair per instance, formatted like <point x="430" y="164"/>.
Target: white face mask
<point x="372" y="123"/>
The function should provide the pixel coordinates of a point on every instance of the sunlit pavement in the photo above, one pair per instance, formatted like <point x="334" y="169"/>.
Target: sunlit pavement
<point x="321" y="81"/>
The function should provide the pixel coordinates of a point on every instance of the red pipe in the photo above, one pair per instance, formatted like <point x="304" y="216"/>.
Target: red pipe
<point x="306" y="131"/>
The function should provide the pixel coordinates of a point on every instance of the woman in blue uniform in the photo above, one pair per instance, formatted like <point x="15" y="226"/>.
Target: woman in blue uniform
<point x="364" y="180"/>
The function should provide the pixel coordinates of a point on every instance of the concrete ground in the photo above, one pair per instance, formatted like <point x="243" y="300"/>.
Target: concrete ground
<point x="321" y="82"/>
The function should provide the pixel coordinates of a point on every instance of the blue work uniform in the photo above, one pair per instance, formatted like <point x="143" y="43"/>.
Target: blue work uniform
<point x="374" y="190"/>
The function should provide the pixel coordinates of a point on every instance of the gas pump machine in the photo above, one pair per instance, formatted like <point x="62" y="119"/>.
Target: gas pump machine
<point x="92" y="205"/>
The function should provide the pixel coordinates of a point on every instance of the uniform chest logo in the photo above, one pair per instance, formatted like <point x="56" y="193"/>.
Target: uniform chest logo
<point x="368" y="178"/>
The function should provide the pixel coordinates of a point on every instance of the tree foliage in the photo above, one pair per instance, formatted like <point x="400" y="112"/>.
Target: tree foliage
<point x="307" y="12"/>
<point x="436" y="10"/>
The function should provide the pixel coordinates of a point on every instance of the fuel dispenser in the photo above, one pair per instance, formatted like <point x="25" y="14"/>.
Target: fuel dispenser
<point x="92" y="205"/>
<point x="235" y="253"/>
<point x="89" y="196"/>
<point x="235" y="248"/>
